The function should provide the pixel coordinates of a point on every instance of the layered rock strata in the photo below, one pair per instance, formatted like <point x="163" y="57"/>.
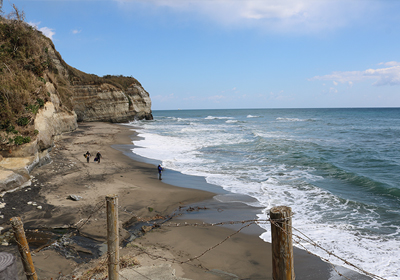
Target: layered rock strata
<point x="107" y="103"/>
<point x="72" y="96"/>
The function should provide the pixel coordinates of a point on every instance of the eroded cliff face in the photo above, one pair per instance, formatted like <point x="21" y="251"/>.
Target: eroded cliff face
<point x="67" y="97"/>
<point x="50" y="122"/>
<point x="96" y="99"/>
<point x="108" y="103"/>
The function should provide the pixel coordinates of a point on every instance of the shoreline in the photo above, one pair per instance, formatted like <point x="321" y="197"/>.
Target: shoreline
<point x="120" y="171"/>
<point x="226" y="206"/>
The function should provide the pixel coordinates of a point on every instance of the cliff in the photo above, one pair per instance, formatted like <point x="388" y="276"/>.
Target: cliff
<point x="41" y="97"/>
<point x="108" y="103"/>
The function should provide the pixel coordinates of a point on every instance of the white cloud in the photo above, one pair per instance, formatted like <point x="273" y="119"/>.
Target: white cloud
<point x="390" y="63"/>
<point x="34" y="24"/>
<point x="48" y="32"/>
<point x="381" y="76"/>
<point x="274" y="15"/>
<point x="76" y="31"/>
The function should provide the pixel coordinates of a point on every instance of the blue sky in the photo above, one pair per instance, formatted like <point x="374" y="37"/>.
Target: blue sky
<point x="205" y="54"/>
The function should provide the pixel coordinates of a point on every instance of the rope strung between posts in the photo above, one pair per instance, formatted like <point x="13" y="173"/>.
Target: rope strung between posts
<point x="22" y="259"/>
<point x="149" y="219"/>
<point x="264" y="221"/>
<point x="28" y="264"/>
<point x="185" y="224"/>
<point x="315" y="244"/>
<point x="198" y="266"/>
<point x="172" y="260"/>
<point x="141" y="274"/>
<point x="216" y="245"/>
<point x="275" y="222"/>
<point x="161" y="221"/>
<point x="100" y="205"/>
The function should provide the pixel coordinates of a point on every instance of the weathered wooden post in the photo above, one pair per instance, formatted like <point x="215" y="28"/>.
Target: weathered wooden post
<point x="20" y="238"/>
<point x="282" y="246"/>
<point x="112" y="237"/>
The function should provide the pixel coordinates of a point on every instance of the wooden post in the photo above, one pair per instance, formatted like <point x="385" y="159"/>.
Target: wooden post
<point x="112" y="237"/>
<point x="19" y="235"/>
<point x="282" y="246"/>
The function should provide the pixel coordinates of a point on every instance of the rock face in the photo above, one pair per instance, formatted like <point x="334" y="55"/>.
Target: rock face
<point x="108" y="103"/>
<point x="97" y="99"/>
<point x="50" y="122"/>
<point x="70" y="96"/>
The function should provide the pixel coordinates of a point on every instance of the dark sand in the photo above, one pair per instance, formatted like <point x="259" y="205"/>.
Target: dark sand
<point x="241" y="256"/>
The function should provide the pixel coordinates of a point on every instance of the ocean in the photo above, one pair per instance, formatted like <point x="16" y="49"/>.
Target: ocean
<point x="338" y="169"/>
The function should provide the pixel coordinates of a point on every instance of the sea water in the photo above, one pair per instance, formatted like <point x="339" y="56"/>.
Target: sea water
<point x="338" y="169"/>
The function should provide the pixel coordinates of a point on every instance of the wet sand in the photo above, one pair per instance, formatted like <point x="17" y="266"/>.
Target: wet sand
<point x="241" y="256"/>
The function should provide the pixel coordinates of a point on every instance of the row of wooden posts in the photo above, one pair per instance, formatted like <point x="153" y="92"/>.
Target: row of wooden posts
<point x="281" y="232"/>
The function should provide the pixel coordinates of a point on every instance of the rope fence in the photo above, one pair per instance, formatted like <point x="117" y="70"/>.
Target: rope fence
<point x="158" y="221"/>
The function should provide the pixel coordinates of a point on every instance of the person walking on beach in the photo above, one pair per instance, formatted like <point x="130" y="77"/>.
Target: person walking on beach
<point x="87" y="155"/>
<point x="98" y="156"/>
<point x="160" y="169"/>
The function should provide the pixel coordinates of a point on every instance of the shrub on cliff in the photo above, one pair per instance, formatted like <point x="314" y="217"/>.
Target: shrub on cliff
<point x="23" y="60"/>
<point x="28" y="60"/>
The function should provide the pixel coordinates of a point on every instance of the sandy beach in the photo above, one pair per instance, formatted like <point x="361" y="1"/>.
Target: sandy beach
<point x="216" y="252"/>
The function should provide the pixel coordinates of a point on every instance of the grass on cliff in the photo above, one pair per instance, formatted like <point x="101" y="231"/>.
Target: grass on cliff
<point x="27" y="62"/>
<point x="121" y="82"/>
<point x="23" y="61"/>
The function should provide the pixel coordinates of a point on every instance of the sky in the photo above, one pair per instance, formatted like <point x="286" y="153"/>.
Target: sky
<point x="228" y="54"/>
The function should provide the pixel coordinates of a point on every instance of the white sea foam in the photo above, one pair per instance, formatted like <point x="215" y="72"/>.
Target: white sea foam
<point x="218" y="118"/>
<point x="340" y="226"/>
<point x="270" y="134"/>
<point x="339" y="238"/>
<point x="165" y="147"/>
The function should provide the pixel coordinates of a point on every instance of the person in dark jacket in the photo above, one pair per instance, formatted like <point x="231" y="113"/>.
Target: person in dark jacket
<point x="87" y="155"/>
<point x="160" y="170"/>
<point x="98" y="156"/>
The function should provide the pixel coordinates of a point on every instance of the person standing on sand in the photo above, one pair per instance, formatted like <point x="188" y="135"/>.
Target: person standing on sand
<point x="98" y="156"/>
<point x="87" y="155"/>
<point x="160" y="169"/>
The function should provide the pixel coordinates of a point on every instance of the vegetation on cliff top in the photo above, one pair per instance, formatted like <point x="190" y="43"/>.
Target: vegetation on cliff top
<point x="27" y="62"/>
<point x="23" y="60"/>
